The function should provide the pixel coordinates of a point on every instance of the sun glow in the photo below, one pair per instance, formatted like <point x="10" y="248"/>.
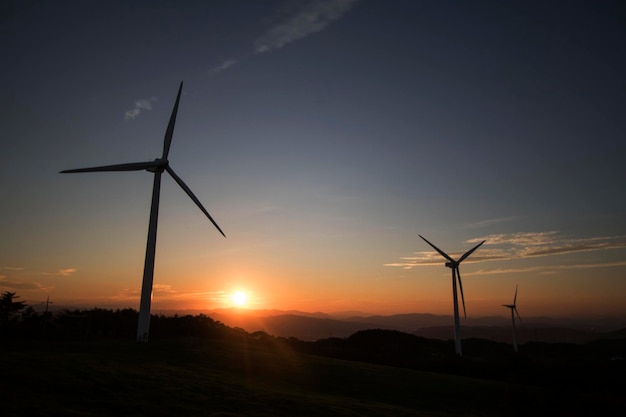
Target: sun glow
<point x="239" y="298"/>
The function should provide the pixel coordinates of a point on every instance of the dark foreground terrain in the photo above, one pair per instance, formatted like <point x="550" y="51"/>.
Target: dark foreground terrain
<point x="241" y="376"/>
<point x="225" y="378"/>
<point x="86" y="363"/>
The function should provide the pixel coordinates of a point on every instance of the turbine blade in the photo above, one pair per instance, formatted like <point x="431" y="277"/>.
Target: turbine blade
<point x="515" y="298"/>
<point x="469" y="252"/>
<point x="170" y="127"/>
<point x="192" y="196"/>
<point x="133" y="166"/>
<point x="458" y="275"/>
<point x="518" y="316"/>
<point x="442" y="253"/>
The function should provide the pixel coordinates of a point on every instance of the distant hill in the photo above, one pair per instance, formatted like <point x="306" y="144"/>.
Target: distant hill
<point x="404" y="322"/>
<point x="301" y="327"/>
<point x="617" y="334"/>
<point x="315" y="326"/>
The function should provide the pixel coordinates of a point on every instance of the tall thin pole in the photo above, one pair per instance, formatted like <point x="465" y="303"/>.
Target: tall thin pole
<point x="143" y="325"/>
<point x="514" y="333"/>
<point x="45" y="317"/>
<point x="457" y="324"/>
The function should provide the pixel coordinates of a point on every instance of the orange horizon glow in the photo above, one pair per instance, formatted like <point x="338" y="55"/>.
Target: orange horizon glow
<point x="191" y="280"/>
<point x="533" y="305"/>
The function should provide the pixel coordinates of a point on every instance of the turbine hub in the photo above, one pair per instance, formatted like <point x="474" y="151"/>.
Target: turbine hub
<point x="451" y="264"/>
<point x="159" y="165"/>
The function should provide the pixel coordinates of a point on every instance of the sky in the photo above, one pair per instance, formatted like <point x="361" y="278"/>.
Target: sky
<point x="323" y="137"/>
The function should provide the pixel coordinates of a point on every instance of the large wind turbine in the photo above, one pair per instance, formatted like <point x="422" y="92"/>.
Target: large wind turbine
<point x="513" y="308"/>
<point x="454" y="265"/>
<point x="157" y="167"/>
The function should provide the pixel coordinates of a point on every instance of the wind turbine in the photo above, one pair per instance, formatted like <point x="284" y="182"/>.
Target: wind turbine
<point x="454" y="265"/>
<point x="513" y="308"/>
<point x="156" y="167"/>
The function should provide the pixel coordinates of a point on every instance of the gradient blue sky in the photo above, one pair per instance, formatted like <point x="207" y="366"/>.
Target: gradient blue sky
<point x="323" y="137"/>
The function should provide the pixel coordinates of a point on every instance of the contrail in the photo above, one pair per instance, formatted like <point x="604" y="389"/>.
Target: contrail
<point x="304" y="18"/>
<point x="310" y="17"/>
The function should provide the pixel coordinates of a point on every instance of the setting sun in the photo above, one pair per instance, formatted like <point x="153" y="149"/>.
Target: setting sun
<point x="239" y="298"/>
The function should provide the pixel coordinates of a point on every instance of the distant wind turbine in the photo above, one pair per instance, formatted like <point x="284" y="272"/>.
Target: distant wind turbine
<point x="454" y="265"/>
<point x="513" y="308"/>
<point x="157" y="167"/>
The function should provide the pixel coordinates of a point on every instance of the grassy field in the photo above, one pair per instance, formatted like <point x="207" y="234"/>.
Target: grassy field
<point x="219" y="378"/>
<point x="203" y="377"/>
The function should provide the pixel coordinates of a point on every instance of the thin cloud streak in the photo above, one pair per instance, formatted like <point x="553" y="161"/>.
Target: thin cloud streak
<point x="61" y="272"/>
<point x="545" y="269"/>
<point x="528" y="245"/>
<point x="166" y="292"/>
<point x="223" y="66"/>
<point x="309" y="18"/>
<point x="134" y="293"/>
<point x="519" y="246"/>
<point x="520" y="238"/>
<point x="11" y="268"/>
<point x="491" y="222"/>
<point x="142" y="104"/>
<point x="313" y="17"/>
<point x="21" y="285"/>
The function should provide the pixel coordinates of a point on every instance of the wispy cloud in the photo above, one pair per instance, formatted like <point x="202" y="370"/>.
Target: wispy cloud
<point x="433" y="258"/>
<point x="11" y="268"/>
<point x="519" y="239"/>
<point x="307" y="18"/>
<point x="526" y="245"/>
<point x="545" y="269"/>
<point x="10" y="282"/>
<point x="163" y="289"/>
<point x="510" y="246"/>
<point x="62" y="272"/>
<point x="13" y="284"/>
<point x="140" y="105"/>
<point x="127" y="294"/>
<point x="491" y="222"/>
<point x="167" y="292"/>
<point x="223" y="66"/>
<point x="311" y="17"/>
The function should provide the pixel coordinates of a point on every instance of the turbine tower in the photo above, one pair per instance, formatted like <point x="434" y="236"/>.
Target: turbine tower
<point x="513" y="308"/>
<point x="156" y="167"/>
<point x="456" y="274"/>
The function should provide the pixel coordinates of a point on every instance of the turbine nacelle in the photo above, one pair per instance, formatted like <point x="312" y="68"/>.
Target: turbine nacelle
<point x="452" y="264"/>
<point x="160" y="164"/>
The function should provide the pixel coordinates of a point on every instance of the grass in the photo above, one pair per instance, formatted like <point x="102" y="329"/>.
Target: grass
<point x="228" y="378"/>
<point x="223" y="378"/>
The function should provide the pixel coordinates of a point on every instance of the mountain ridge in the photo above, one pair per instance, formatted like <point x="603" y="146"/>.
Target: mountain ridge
<point x="315" y="326"/>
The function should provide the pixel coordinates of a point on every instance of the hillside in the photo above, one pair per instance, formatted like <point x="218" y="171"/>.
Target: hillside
<point x="86" y="363"/>
<point x="208" y="377"/>
<point x="243" y="376"/>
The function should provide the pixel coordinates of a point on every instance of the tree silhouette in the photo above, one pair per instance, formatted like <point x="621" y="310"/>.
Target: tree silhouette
<point x="9" y="308"/>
